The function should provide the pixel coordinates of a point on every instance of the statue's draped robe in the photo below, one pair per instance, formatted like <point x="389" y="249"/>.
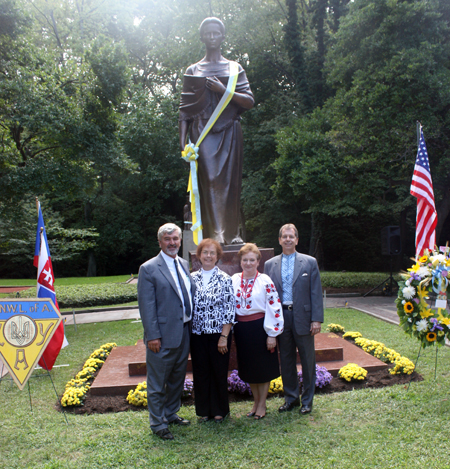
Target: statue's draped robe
<point x="220" y="153"/>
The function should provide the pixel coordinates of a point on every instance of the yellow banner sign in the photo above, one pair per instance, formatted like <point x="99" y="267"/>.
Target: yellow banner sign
<point x="26" y="327"/>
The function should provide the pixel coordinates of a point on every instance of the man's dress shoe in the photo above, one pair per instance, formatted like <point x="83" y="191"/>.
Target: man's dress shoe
<point x="306" y="409"/>
<point x="164" y="434"/>
<point x="180" y="421"/>
<point x="288" y="406"/>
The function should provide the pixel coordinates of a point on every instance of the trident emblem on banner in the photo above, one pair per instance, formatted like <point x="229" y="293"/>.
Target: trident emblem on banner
<point x="20" y="330"/>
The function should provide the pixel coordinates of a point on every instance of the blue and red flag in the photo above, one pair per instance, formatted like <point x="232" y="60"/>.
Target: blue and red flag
<point x="46" y="289"/>
<point x="38" y="236"/>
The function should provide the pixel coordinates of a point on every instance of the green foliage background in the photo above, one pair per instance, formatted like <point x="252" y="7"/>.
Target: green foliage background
<point x="89" y="95"/>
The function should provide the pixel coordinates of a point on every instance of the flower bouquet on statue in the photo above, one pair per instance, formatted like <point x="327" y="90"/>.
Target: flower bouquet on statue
<point x="421" y="317"/>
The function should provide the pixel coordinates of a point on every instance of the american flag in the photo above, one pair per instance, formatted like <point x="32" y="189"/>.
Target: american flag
<point x="422" y="188"/>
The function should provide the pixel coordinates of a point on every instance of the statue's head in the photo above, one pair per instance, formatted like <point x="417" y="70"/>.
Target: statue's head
<point x="212" y="32"/>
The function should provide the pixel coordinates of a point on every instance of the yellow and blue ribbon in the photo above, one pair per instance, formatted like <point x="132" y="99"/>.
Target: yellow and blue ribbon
<point x="190" y="153"/>
<point x="440" y="279"/>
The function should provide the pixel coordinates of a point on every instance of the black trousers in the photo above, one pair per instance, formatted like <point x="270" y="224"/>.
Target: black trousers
<point x="210" y="370"/>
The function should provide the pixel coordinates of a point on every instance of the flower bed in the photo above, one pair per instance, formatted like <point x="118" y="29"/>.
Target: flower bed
<point x="402" y="365"/>
<point x="235" y="383"/>
<point x="138" y="395"/>
<point x="239" y="390"/>
<point x="77" y="388"/>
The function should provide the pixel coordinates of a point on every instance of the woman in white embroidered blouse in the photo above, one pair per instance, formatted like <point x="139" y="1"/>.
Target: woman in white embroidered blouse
<point x="214" y="313"/>
<point x="259" y="316"/>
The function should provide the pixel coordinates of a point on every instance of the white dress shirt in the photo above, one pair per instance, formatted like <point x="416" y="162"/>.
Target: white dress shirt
<point x="187" y="281"/>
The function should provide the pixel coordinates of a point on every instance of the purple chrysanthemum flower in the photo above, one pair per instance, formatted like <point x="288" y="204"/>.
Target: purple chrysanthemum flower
<point x="323" y="377"/>
<point x="188" y="387"/>
<point x="235" y="384"/>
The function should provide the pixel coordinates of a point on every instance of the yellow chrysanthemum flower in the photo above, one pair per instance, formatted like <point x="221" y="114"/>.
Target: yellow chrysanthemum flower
<point x="138" y="396"/>
<point x="352" y="335"/>
<point x="352" y="372"/>
<point x="335" y="328"/>
<point x="402" y="365"/>
<point x="276" y="386"/>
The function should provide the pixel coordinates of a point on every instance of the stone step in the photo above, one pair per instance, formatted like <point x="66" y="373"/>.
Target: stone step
<point x="326" y="351"/>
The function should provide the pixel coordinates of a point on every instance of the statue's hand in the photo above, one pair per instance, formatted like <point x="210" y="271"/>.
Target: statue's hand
<point x="214" y="84"/>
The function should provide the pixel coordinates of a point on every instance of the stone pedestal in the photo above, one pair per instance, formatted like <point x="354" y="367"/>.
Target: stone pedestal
<point x="230" y="260"/>
<point x="188" y="244"/>
<point x="125" y="367"/>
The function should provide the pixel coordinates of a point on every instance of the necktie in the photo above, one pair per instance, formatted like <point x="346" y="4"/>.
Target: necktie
<point x="287" y="274"/>
<point x="187" y="303"/>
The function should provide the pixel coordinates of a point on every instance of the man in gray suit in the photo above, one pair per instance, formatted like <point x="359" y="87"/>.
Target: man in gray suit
<point x="165" y="293"/>
<point x="297" y="280"/>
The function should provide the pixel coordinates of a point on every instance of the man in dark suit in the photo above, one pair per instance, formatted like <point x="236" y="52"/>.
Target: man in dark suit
<point x="297" y="280"/>
<point x="165" y="293"/>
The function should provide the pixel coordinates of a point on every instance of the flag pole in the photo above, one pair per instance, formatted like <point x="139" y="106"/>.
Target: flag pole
<point x="40" y="247"/>
<point x="418" y="127"/>
<point x="37" y="205"/>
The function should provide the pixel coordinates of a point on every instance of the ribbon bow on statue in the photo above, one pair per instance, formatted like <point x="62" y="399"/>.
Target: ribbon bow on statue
<point x="190" y="154"/>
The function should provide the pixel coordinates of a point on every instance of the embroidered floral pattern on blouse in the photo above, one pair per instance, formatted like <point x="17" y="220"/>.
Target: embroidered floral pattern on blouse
<point x="259" y="295"/>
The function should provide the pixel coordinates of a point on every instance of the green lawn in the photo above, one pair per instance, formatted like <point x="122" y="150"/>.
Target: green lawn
<point x="65" y="281"/>
<point x="381" y="428"/>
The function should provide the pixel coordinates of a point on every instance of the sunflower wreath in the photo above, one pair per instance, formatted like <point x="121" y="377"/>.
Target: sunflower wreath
<point x="429" y="275"/>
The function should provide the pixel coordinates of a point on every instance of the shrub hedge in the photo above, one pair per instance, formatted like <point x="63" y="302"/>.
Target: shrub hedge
<point x="355" y="279"/>
<point x="82" y="296"/>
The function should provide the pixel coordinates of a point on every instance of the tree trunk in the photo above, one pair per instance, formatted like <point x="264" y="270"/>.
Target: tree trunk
<point x="292" y="41"/>
<point x="92" y="264"/>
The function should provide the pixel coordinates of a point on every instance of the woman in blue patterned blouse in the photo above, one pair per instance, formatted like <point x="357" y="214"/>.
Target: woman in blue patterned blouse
<point x="214" y="312"/>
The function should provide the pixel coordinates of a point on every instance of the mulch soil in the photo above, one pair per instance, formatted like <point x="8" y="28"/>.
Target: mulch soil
<point x="376" y="379"/>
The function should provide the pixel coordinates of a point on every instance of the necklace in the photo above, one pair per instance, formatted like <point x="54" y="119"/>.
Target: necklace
<point x="246" y="291"/>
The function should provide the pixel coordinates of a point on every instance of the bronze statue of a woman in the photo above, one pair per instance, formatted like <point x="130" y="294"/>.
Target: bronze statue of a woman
<point x="221" y="151"/>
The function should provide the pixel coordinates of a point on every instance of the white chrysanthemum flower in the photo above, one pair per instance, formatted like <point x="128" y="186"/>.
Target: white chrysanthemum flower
<point x="422" y="325"/>
<point x="408" y="283"/>
<point x="423" y="272"/>
<point x="409" y="292"/>
<point x="438" y="259"/>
